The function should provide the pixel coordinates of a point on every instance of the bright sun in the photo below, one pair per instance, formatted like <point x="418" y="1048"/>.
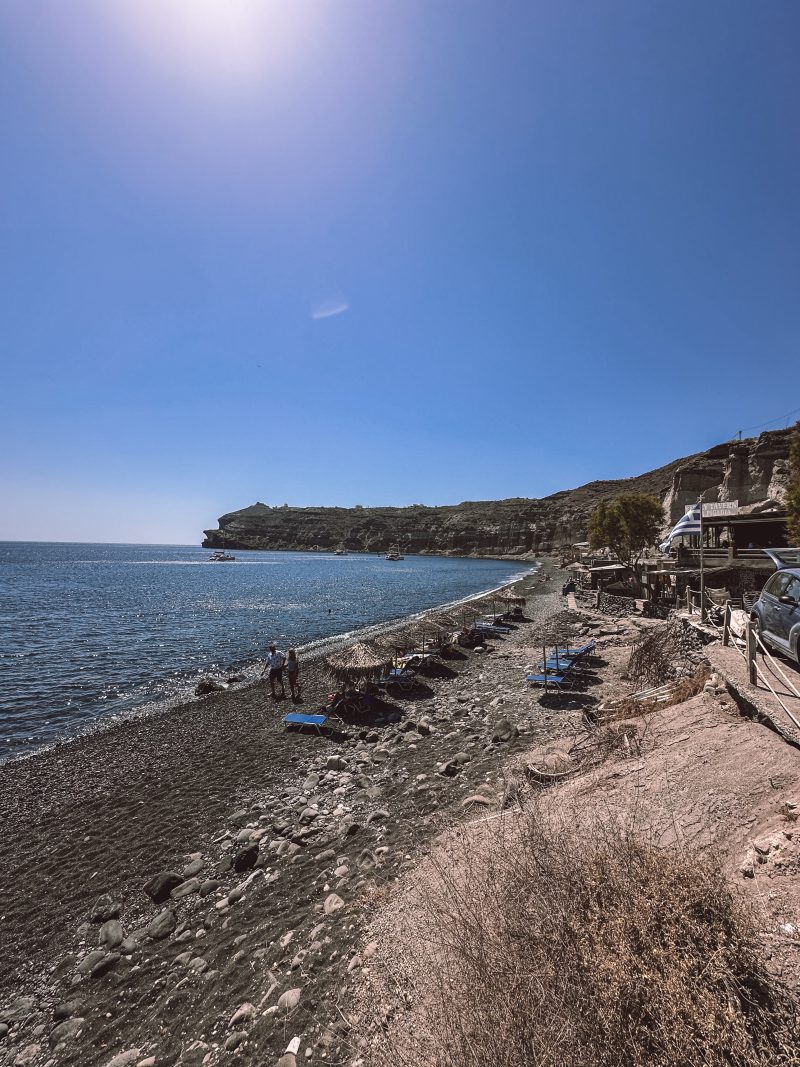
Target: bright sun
<point x="214" y="43"/>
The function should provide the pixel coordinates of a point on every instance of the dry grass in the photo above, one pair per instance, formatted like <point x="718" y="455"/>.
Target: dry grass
<point x="663" y="653"/>
<point x="568" y="945"/>
<point x="631" y="708"/>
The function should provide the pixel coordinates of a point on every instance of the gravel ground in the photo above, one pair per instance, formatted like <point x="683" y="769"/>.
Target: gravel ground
<point x="272" y="839"/>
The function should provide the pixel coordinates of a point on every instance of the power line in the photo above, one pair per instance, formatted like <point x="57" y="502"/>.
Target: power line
<point x="761" y="425"/>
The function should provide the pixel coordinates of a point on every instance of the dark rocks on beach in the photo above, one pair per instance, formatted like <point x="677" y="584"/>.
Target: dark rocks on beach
<point x="89" y="962"/>
<point x="66" y="1009"/>
<point x="111" y="933"/>
<point x="207" y="685"/>
<point x="246" y="859"/>
<point x="191" y="885"/>
<point x="194" y="867"/>
<point x="65" y="1031"/>
<point x="104" y="908"/>
<point x="20" y="1009"/>
<point x="161" y="885"/>
<point x="106" y="964"/>
<point x="504" y="731"/>
<point x="380" y="815"/>
<point x="162" y="926"/>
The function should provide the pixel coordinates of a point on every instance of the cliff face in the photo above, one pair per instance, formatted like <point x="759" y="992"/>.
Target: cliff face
<point x="753" y="471"/>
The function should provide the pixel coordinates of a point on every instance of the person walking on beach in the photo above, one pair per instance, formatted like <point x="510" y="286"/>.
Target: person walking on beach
<point x="274" y="664"/>
<point x="293" y="673"/>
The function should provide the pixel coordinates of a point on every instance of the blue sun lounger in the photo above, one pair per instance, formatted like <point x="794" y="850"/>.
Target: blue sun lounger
<point x="547" y="679"/>
<point x="301" y="719"/>
<point x="574" y="653"/>
<point x="564" y="659"/>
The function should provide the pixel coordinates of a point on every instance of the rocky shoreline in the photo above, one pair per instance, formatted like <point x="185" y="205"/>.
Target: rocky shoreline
<point x="257" y="847"/>
<point x="204" y="887"/>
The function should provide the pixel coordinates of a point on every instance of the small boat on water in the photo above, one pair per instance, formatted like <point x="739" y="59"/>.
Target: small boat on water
<point x="221" y="557"/>
<point x="341" y="551"/>
<point x="394" y="554"/>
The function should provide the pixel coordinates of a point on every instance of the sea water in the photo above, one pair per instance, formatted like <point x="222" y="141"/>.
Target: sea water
<point x="93" y="632"/>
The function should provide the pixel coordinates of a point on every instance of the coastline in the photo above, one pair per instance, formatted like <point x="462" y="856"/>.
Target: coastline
<point x="112" y="797"/>
<point x="292" y="858"/>
<point x="139" y="701"/>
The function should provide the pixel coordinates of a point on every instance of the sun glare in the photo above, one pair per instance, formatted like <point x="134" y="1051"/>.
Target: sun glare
<point x="216" y="44"/>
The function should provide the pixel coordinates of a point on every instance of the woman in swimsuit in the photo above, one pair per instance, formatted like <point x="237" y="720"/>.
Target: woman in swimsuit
<point x="293" y="673"/>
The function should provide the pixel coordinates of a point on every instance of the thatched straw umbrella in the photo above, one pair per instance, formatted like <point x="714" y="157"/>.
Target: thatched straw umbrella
<point x="508" y="596"/>
<point x="357" y="663"/>
<point x="425" y="630"/>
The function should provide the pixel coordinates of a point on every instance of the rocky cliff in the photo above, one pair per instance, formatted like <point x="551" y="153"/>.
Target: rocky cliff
<point x="753" y="471"/>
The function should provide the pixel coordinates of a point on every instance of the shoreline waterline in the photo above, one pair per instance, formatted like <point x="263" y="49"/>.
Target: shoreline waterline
<point x="247" y="671"/>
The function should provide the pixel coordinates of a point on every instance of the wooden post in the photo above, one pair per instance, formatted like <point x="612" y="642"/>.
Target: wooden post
<point x="702" y="570"/>
<point x="751" y="653"/>
<point x="726" y="625"/>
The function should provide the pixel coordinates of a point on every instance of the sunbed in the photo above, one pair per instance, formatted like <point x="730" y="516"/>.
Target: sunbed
<point x="547" y="679"/>
<point x="301" y="719"/>
<point x="400" y="677"/>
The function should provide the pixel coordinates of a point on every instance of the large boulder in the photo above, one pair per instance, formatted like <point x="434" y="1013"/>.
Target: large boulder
<point x="161" y="885"/>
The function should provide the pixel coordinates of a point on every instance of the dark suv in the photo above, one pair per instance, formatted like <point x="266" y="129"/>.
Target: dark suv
<point x="776" y="613"/>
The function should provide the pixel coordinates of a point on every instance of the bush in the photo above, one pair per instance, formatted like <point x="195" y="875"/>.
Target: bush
<point x="578" y="946"/>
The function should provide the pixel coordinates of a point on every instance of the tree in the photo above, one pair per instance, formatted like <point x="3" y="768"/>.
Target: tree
<point x="628" y="525"/>
<point x="793" y="491"/>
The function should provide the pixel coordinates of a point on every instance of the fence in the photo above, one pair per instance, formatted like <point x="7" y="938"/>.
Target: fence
<point x="748" y="645"/>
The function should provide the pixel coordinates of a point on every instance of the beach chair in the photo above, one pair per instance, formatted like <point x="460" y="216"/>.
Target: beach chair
<point x="400" y="677"/>
<point x="575" y="653"/>
<point x="547" y="679"/>
<point x="299" y="719"/>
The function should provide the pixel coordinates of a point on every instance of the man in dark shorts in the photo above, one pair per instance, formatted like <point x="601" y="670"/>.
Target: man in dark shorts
<point x="275" y="662"/>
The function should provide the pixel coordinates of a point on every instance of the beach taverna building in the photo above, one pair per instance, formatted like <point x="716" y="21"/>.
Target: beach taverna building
<point x="733" y="549"/>
<point x="728" y="532"/>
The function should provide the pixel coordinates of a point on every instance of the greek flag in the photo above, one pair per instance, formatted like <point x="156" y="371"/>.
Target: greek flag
<point x="689" y="524"/>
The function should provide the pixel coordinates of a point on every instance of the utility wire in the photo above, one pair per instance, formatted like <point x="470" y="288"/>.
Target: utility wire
<point x="769" y="422"/>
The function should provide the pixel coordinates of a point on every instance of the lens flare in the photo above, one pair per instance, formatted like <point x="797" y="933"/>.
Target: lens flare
<point x="217" y="44"/>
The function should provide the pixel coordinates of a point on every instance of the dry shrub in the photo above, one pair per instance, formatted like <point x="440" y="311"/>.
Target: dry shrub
<point x="632" y="708"/>
<point x="569" y="946"/>
<point x="665" y="652"/>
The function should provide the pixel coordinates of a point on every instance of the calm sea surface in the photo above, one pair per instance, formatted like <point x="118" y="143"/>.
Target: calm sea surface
<point x="89" y="632"/>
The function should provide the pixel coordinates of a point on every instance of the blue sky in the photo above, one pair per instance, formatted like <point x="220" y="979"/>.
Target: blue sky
<point x="384" y="251"/>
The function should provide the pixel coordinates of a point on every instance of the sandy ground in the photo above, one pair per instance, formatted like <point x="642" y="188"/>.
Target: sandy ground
<point x="277" y="836"/>
<point x="696" y="775"/>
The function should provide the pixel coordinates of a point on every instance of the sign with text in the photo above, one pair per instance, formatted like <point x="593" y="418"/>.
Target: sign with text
<point x="721" y="509"/>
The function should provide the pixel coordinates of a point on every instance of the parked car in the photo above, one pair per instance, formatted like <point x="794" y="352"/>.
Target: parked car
<point x="776" y="613"/>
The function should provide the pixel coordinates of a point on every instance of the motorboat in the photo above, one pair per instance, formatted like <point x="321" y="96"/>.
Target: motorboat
<point x="341" y="551"/>
<point x="394" y="554"/>
<point x="221" y="557"/>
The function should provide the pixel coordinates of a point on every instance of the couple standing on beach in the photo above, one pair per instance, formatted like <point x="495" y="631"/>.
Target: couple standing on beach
<point x="276" y="664"/>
